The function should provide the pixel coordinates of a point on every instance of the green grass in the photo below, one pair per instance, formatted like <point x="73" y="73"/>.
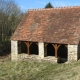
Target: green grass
<point x="31" y="70"/>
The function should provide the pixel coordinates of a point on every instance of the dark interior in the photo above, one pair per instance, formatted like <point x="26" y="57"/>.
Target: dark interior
<point x="50" y="50"/>
<point x="62" y="54"/>
<point x="23" y="47"/>
<point x="34" y="48"/>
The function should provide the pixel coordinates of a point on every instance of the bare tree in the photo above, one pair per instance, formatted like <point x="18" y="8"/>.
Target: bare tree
<point x="10" y="16"/>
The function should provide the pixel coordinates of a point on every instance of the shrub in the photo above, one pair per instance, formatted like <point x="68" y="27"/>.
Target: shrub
<point x="5" y="46"/>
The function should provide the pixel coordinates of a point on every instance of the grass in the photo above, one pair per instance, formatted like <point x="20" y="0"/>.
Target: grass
<point x="31" y="70"/>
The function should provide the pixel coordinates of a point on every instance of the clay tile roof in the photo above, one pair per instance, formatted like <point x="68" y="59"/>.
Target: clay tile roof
<point x="53" y="25"/>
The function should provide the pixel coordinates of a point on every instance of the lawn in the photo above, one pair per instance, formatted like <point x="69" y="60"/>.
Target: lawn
<point x="33" y="70"/>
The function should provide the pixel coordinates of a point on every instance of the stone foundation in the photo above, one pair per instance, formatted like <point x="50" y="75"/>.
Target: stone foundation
<point x="26" y="57"/>
<point x="14" y="50"/>
<point x="72" y="53"/>
<point x="41" y="50"/>
<point x="50" y="59"/>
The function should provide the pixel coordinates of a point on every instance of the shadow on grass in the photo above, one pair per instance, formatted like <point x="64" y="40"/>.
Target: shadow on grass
<point x="61" y="60"/>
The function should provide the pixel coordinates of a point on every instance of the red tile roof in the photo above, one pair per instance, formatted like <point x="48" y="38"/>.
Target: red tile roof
<point x="53" y="25"/>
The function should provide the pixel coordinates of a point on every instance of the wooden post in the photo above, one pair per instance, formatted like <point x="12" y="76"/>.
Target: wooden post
<point x="56" y="54"/>
<point x="56" y="49"/>
<point x="28" y="46"/>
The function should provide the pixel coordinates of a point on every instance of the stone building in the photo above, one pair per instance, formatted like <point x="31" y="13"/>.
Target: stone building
<point x="47" y="32"/>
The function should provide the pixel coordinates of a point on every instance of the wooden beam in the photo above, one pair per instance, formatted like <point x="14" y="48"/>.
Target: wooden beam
<point x="66" y="46"/>
<point x="58" y="46"/>
<point x="19" y="43"/>
<point x="46" y="45"/>
<point x="36" y="43"/>
<point x="30" y="43"/>
<point x="53" y="45"/>
<point x="25" y="43"/>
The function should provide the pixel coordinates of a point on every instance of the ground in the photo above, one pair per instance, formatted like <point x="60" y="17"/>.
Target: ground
<point x="34" y="70"/>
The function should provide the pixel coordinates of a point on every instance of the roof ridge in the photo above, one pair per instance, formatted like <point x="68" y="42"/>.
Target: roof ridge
<point x="64" y="7"/>
<point x="40" y="9"/>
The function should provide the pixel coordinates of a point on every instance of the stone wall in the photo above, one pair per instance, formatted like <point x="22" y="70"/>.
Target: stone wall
<point x="14" y="50"/>
<point x="72" y="53"/>
<point x="27" y="57"/>
<point x="41" y="49"/>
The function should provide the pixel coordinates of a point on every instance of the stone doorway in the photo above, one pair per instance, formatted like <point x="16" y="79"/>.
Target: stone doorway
<point x="50" y="50"/>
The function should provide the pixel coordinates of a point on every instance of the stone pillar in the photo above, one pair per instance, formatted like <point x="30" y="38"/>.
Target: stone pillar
<point x="41" y="49"/>
<point x="72" y="52"/>
<point x="14" y="50"/>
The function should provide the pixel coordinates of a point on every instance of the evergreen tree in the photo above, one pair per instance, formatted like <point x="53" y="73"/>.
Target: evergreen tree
<point x="49" y="5"/>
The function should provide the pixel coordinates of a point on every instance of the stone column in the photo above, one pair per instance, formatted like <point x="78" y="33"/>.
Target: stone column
<point x="14" y="50"/>
<point x="41" y="49"/>
<point x="72" y="52"/>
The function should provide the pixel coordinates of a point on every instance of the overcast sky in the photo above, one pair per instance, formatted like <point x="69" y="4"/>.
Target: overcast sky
<point x="32" y="4"/>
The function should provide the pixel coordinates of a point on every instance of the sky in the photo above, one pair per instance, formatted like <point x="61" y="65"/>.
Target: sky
<point x="34" y="4"/>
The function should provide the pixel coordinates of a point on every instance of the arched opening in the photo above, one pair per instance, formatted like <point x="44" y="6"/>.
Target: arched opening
<point x="34" y="49"/>
<point x="23" y="47"/>
<point x="50" y="50"/>
<point x="62" y="53"/>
